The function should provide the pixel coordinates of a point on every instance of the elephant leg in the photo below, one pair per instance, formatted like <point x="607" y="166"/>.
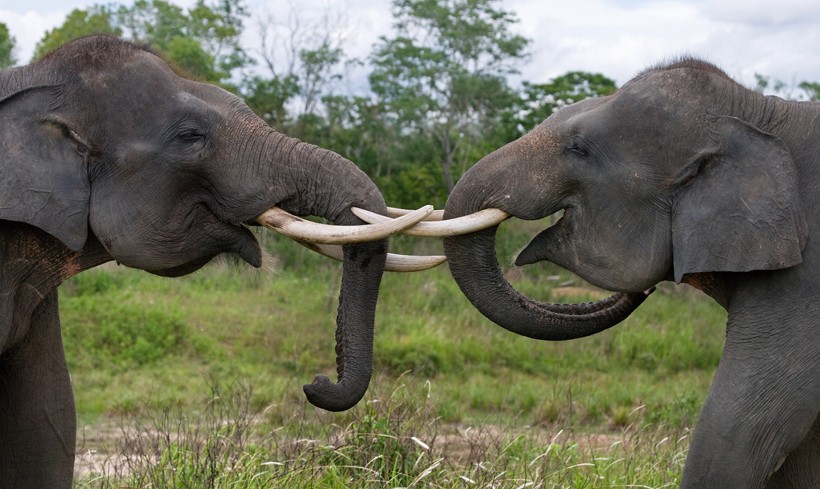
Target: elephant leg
<point x="802" y="467"/>
<point x="762" y="405"/>
<point x="37" y="418"/>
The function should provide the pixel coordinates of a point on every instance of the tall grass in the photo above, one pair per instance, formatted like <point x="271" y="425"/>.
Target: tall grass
<point x="396" y="441"/>
<point x="196" y="382"/>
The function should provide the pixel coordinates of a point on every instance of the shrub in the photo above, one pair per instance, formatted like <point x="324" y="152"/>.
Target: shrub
<point x="119" y="334"/>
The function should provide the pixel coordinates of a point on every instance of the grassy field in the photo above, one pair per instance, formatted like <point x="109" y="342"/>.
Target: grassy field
<point x="196" y="382"/>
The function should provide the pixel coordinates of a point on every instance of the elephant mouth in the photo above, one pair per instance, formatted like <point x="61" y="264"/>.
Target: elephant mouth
<point x="542" y="244"/>
<point x="219" y="238"/>
<point x="184" y="269"/>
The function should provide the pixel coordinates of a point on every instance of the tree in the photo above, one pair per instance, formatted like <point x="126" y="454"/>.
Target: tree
<point x="7" y="44"/>
<point x="804" y="91"/>
<point x="445" y="72"/>
<point x="812" y="90"/>
<point x="204" y="40"/>
<point x="97" y="19"/>
<point x="303" y="57"/>
<point x="539" y="100"/>
<point x="268" y="97"/>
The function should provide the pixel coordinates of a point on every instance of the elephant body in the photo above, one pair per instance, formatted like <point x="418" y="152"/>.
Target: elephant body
<point x="106" y="153"/>
<point x="682" y="175"/>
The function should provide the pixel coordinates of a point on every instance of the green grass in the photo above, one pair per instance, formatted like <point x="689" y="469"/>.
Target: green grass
<point x="150" y="358"/>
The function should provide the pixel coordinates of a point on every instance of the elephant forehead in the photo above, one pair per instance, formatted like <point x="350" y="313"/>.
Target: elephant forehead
<point x="544" y="138"/>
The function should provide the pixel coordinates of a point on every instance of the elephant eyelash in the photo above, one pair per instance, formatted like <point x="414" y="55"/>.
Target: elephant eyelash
<point x="191" y="136"/>
<point x="577" y="149"/>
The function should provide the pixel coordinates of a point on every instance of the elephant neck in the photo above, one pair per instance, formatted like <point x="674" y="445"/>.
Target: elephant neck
<point x="792" y="122"/>
<point x="32" y="265"/>
<point x="718" y="285"/>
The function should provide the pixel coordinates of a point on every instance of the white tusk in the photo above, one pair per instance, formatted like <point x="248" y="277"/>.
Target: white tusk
<point x="412" y="263"/>
<point x="395" y="263"/>
<point x="437" y="215"/>
<point x="477" y="221"/>
<point x="302" y="230"/>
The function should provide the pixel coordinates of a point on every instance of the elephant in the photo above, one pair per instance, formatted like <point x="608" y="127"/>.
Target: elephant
<point x="108" y="153"/>
<point x="681" y="175"/>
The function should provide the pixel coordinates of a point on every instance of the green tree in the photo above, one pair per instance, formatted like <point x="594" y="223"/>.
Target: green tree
<point x="804" y="91"/>
<point x="303" y="56"/>
<point x="204" y="40"/>
<point x="97" y="19"/>
<point x="812" y="90"/>
<point x="7" y="43"/>
<point x="268" y="97"/>
<point x="539" y="100"/>
<point x="444" y="74"/>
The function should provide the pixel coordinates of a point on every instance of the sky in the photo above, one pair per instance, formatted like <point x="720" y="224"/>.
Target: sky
<point x="619" y="38"/>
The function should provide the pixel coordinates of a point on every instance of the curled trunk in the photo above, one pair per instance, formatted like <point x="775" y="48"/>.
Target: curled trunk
<point x="475" y="268"/>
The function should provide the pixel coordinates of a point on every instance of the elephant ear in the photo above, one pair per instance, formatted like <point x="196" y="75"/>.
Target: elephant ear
<point x="741" y="209"/>
<point x="43" y="173"/>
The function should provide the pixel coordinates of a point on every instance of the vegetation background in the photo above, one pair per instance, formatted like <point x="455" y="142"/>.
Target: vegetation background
<point x="195" y="382"/>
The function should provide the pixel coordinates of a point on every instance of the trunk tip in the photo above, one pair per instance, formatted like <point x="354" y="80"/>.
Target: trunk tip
<point x="324" y="394"/>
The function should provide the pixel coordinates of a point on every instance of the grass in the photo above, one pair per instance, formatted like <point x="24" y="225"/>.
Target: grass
<point x="395" y="441"/>
<point x="196" y="382"/>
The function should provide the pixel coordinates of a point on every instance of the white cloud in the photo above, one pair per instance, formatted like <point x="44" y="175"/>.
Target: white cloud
<point x="620" y="38"/>
<point x="763" y="13"/>
<point x="28" y="28"/>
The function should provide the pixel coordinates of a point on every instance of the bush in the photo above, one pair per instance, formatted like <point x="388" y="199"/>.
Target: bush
<point x="119" y="334"/>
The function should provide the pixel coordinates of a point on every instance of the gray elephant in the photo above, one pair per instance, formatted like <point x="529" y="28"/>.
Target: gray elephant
<point x="683" y="175"/>
<point x="107" y="154"/>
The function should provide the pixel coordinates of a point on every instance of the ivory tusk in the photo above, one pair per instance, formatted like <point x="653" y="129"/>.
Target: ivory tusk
<point x="395" y="263"/>
<point x="477" y="221"/>
<point x="412" y="263"/>
<point x="437" y="215"/>
<point x="302" y="230"/>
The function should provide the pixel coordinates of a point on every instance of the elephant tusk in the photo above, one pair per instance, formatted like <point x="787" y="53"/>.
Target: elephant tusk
<point x="436" y="215"/>
<point x="477" y="221"/>
<point x="395" y="263"/>
<point x="312" y="232"/>
<point x="412" y="263"/>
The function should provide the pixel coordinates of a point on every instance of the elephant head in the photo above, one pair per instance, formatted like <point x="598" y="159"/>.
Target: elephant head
<point x="103" y="145"/>
<point x="661" y="180"/>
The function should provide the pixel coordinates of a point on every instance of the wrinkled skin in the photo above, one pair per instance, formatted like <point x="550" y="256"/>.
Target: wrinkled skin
<point x="680" y="175"/>
<point x="107" y="154"/>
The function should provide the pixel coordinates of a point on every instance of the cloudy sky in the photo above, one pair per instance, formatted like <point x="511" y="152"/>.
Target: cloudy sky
<point x="614" y="37"/>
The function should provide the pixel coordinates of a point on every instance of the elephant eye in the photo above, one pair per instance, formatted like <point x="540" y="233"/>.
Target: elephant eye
<point x="190" y="136"/>
<point x="577" y="149"/>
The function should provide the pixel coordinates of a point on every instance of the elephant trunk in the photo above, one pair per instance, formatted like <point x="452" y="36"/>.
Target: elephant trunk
<point x="309" y="180"/>
<point x="474" y="266"/>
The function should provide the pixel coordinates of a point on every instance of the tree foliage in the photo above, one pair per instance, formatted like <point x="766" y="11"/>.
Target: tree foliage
<point x="803" y="91"/>
<point x="302" y="57"/>
<point x="812" y="90"/>
<point x="540" y="100"/>
<point x="97" y="19"/>
<point x="445" y="72"/>
<point x="204" y="40"/>
<point x="7" y="45"/>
